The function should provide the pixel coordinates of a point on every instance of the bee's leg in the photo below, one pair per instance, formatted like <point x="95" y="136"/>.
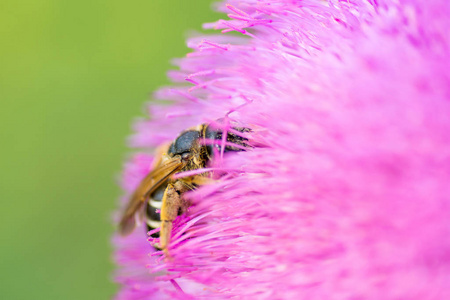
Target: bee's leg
<point x="181" y="187"/>
<point x="185" y="185"/>
<point x="171" y="203"/>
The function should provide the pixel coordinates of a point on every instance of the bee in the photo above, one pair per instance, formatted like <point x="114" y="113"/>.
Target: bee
<point x="162" y="194"/>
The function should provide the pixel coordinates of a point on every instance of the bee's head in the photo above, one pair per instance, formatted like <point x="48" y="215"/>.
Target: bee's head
<point x="186" y="145"/>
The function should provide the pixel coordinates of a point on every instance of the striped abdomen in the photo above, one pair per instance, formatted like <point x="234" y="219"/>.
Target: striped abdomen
<point x="153" y="218"/>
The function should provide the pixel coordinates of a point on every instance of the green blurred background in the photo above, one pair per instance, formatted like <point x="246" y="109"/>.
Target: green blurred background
<point x="73" y="75"/>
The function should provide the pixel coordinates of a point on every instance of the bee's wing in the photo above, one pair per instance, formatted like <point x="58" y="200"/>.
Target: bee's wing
<point x="147" y="186"/>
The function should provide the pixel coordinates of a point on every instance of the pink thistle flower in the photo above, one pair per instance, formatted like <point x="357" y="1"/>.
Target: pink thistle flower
<point x="346" y="193"/>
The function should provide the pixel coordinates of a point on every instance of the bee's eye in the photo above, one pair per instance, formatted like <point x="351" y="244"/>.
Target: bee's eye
<point x="185" y="155"/>
<point x="184" y="143"/>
